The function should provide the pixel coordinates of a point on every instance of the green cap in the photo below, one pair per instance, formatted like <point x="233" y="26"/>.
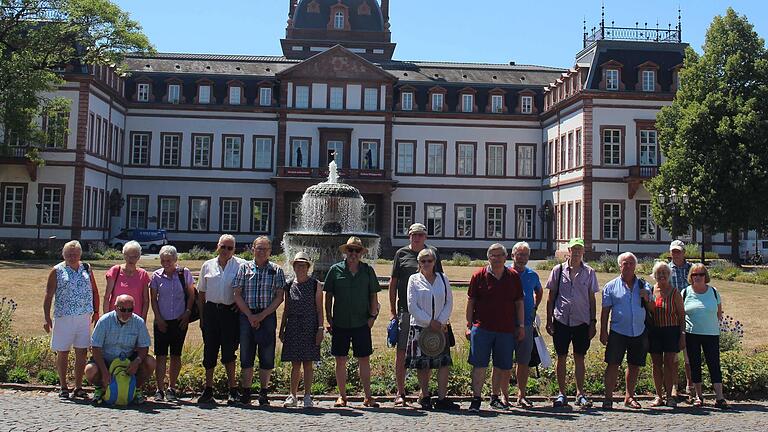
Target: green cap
<point x="576" y="241"/>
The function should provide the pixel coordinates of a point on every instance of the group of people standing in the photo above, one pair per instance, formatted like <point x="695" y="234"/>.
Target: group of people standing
<point x="238" y="300"/>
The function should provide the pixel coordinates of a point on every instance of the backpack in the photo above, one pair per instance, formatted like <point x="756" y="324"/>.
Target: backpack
<point x="122" y="387"/>
<point x="194" y="310"/>
<point x="714" y="290"/>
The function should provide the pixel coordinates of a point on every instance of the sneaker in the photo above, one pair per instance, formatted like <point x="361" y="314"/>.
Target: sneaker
<point x="263" y="399"/>
<point x="64" y="394"/>
<point x="308" y="401"/>
<point x="98" y="396"/>
<point x="446" y="405"/>
<point x="234" y="396"/>
<point x="497" y="404"/>
<point x="582" y="401"/>
<point x="138" y="398"/>
<point x="171" y="396"/>
<point x="245" y="396"/>
<point x="80" y="393"/>
<point x="207" y="396"/>
<point x="560" y="401"/>
<point x="290" y="402"/>
<point x="426" y="403"/>
<point x="474" y="406"/>
<point x="159" y="396"/>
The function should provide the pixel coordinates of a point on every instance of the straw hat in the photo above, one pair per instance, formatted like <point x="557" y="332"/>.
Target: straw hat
<point x="301" y="257"/>
<point x="431" y="343"/>
<point x="353" y="242"/>
<point x="417" y="228"/>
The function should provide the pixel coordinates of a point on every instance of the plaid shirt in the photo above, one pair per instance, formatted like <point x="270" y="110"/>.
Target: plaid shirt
<point x="259" y="285"/>
<point x="679" y="276"/>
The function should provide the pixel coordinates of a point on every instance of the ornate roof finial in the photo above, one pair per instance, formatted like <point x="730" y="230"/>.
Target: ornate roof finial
<point x="602" y="14"/>
<point x="679" y="24"/>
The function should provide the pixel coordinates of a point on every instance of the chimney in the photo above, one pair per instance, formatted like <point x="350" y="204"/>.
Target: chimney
<point x="385" y="10"/>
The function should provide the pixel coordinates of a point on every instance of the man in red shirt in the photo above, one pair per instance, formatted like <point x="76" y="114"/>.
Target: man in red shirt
<point x="494" y="323"/>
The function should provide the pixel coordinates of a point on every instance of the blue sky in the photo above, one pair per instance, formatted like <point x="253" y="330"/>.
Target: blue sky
<point x="494" y="31"/>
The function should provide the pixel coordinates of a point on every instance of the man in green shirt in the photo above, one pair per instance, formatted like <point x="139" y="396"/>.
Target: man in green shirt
<point x="351" y="308"/>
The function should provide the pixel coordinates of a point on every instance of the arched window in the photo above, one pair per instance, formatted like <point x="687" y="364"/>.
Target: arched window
<point x="338" y="21"/>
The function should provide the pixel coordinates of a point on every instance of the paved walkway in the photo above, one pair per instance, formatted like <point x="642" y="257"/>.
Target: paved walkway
<point x="38" y="411"/>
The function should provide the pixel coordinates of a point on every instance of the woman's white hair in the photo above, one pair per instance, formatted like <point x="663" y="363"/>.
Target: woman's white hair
<point x="626" y="255"/>
<point x="132" y="245"/>
<point x="170" y="251"/>
<point x="661" y="267"/>
<point x="72" y="244"/>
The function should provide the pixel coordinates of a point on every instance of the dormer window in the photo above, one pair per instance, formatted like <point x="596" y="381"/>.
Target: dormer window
<point x="406" y="101"/>
<point x="647" y="77"/>
<point x="649" y="80"/>
<point x="526" y="104"/>
<point x="467" y="103"/>
<point x="174" y="93"/>
<point x="612" y="79"/>
<point x="338" y="20"/>
<point x="437" y="102"/>
<point x="234" y="95"/>
<point x="204" y="94"/>
<point x="497" y="104"/>
<point x="142" y="92"/>
<point x="265" y="96"/>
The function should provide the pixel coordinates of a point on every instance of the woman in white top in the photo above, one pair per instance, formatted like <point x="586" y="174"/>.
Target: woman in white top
<point x="430" y="303"/>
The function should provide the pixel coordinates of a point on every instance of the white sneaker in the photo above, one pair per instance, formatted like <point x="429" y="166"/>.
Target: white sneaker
<point x="308" y="401"/>
<point x="290" y="402"/>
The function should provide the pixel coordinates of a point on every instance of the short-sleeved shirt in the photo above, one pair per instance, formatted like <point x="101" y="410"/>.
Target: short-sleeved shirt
<point x="74" y="295"/>
<point x="572" y="301"/>
<point x="495" y="299"/>
<point x="259" y="285"/>
<point x="118" y="340"/>
<point x="679" y="276"/>
<point x="351" y="294"/>
<point x="627" y="311"/>
<point x="132" y="285"/>
<point x="701" y="312"/>
<point x="171" y="299"/>
<point x="216" y="282"/>
<point x="531" y="284"/>
<point x="404" y="265"/>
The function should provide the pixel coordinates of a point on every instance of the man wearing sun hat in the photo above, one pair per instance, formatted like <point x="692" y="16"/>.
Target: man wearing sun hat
<point x="351" y="308"/>
<point x="679" y="280"/>
<point x="405" y="264"/>
<point x="572" y="317"/>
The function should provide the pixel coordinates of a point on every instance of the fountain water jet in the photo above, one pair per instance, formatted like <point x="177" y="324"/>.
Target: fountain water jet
<point x="331" y="212"/>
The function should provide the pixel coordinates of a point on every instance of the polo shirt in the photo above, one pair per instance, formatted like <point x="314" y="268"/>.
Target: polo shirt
<point x="118" y="340"/>
<point x="495" y="299"/>
<point x="351" y="294"/>
<point x="531" y="284"/>
<point x="627" y="311"/>
<point x="404" y="265"/>
<point x="216" y="282"/>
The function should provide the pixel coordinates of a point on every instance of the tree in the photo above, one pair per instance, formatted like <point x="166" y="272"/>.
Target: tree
<point x="715" y="134"/>
<point x="39" y="38"/>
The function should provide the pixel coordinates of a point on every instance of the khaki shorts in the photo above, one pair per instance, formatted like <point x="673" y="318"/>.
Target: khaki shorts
<point x="71" y="331"/>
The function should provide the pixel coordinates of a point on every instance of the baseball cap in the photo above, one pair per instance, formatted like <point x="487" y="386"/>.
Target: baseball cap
<point x="576" y="241"/>
<point x="677" y="244"/>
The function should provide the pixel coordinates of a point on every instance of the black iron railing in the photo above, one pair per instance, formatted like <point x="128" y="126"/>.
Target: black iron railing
<point x="642" y="34"/>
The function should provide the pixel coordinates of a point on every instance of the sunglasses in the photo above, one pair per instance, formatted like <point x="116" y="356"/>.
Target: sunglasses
<point x="229" y="248"/>
<point x="261" y="249"/>
<point x="698" y="274"/>
<point x="424" y="261"/>
<point x="124" y="309"/>
<point x="354" y="250"/>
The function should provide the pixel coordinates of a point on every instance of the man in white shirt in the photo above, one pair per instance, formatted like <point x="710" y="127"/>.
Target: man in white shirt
<point x="220" y="320"/>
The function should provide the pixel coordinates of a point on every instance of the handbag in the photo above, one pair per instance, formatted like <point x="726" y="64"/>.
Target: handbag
<point x="451" y="339"/>
<point x="535" y="358"/>
<point x="649" y="324"/>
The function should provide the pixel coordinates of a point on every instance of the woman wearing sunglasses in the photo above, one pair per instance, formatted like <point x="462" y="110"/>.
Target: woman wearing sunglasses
<point x="430" y="303"/>
<point x="703" y="311"/>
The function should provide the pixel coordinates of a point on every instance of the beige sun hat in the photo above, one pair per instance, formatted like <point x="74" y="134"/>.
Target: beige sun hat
<point x="353" y="242"/>
<point x="301" y="256"/>
<point x="417" y="228"/>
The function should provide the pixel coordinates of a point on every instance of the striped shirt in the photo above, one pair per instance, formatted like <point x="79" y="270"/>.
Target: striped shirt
<point x="259" y="285"/>
<point x="665" y="314"/>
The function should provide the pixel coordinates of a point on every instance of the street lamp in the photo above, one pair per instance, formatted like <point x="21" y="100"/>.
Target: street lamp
<point x="674" y="203"/>
<point x="545" y="214"/>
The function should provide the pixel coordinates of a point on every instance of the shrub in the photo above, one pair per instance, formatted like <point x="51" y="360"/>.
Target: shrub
<point x="724" y="270"/>
<point x="197" y="253"/>
<point x="5" y="366"/>
<point x="246" y="255"/>
<point x="549" y="264"/>
<point x="48" y="377"/>
<point x="606" y="264"/>
<point x="459" y="259"/>
<point x="645" y="266"/>
<point x="18" y="375"/>
<point x="100" y="251"/>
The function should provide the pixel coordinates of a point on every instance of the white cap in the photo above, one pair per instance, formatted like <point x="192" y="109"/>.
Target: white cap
<point x="677" y="244"/>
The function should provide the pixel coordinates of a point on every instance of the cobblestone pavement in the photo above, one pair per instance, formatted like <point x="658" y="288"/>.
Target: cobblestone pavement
<point x="39" y="411"/>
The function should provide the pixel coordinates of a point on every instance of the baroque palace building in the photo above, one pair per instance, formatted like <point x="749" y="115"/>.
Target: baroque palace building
<point x="201" y="144"/>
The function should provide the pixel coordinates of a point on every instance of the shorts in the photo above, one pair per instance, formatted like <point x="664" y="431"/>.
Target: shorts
<point x="564" y="335"/>
<point x="172" y="340"/>
<point x="131" y="357"/>
<point x="359" y="338"/>
<point x="221" y="329"/>
<point x="71" y="331"/>
<point x="524" y="348"/>
<point x="483" y="343"/>
<point x="636" y="349"/>
<point x="260" y="340"/>
<point x="404" y="326"/>
<point x="664" y="340"/>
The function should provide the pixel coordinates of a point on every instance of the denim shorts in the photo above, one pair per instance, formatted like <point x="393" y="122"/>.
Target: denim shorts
<point x="261" y="340"/>
<point x="483" y="343"/>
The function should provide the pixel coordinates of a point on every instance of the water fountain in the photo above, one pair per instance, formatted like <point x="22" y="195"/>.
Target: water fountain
<point x="331" y="212"/>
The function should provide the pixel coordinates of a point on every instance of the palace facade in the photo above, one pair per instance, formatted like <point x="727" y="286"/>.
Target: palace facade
<point x="200" y="145"/>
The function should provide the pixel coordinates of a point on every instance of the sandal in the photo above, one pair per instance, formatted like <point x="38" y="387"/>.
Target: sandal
<point x="80" y="393"/>
<point x="657" y="402"/>
<point x="340" y="403"/>
<point x="524" y="403"/>
<point x="370" y="403"/>
<point x="697" y="402"/>
<point x="722" y="404"/>
<point x="632" y="403"/>
<point x="400" y="401"/>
